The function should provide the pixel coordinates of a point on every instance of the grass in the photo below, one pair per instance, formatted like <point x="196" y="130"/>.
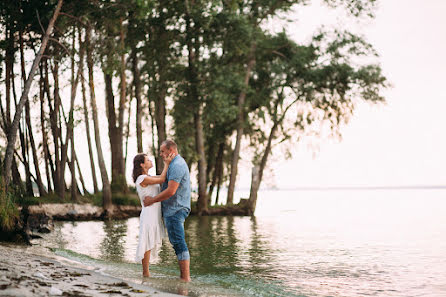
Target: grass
<point x="9" y="213"/>
<point x="117" y="199"/>
<point x="129" y="198"/>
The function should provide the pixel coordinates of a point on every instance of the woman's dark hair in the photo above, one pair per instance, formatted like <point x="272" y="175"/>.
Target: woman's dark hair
<point x="137" y="169"/>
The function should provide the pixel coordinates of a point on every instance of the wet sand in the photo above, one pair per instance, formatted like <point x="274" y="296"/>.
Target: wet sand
<point x="26" y="274"/>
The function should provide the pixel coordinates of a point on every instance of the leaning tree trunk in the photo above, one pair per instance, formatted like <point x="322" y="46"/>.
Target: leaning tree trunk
<point x="23" y="146"/>
<point x="240" y="124"/>
<point x="106" y="189"/>
<point x="257" y="173"/>
<point x="81" y="178"/>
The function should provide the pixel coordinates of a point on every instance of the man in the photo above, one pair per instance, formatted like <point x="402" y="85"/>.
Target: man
<point x="175" y="204"/>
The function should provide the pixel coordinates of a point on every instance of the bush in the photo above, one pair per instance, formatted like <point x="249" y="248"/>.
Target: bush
<point x="125" y="199"/>
<point x="9" y="213"/>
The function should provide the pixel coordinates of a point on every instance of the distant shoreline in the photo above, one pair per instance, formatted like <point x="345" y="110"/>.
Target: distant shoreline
<point x="356" y="188"/>
<point x="350" y="188"/>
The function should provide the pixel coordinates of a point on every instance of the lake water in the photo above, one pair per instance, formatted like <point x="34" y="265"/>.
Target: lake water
<point x="300" y="243"/>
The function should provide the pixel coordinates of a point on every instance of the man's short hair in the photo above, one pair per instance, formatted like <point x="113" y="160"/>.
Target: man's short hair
<point x="170" y="144"/>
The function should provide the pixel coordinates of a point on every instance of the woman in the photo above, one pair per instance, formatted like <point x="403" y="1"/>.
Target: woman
<point x="151" y="227"/>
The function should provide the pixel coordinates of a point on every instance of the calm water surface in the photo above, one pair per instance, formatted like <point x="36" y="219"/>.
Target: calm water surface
<point x="300" y="243"/>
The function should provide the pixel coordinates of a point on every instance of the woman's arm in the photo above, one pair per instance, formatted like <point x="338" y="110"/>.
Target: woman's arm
<point x="157" y="179"/>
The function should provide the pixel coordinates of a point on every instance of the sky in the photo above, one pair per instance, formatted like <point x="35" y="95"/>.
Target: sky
<point x="400" y="143"/>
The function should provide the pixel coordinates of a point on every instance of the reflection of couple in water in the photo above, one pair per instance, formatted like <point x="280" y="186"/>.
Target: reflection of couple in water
<point x="174" y="208"/>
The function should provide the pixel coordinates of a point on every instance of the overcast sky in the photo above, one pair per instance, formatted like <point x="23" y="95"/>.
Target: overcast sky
<point x="402" y="142"/>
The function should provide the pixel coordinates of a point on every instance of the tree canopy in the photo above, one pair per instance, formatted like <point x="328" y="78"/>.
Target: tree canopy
<point x="209" y="74"/>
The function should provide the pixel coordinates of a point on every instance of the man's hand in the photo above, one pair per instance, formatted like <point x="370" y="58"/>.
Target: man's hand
<point x="148" y="200"/>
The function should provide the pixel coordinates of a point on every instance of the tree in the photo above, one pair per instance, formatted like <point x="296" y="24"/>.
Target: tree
<point x="15" y="124"/>
<point x="106" y="189"/>
<point x="291" y="77"/>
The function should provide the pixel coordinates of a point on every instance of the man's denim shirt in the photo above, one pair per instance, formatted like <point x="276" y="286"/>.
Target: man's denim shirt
<point x="179" y="172"/>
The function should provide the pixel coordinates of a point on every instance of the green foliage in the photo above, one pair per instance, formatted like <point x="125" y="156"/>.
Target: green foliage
<point x="320" y="81"/>
<point x="125" y="199"/>
<point x="117" y="199"/>
<point x="118" y="183"/>
<point x="8" y="210"/>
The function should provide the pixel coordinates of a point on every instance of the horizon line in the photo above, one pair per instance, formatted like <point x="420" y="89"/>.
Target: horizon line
<point x="334" y="188"/>
<point x="396" y="187"/>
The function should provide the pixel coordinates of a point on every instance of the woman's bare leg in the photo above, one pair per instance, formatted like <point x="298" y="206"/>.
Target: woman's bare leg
<point x="145" y="264"/>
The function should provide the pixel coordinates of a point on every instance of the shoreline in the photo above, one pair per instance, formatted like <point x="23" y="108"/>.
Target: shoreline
<point x="26" y="274"/>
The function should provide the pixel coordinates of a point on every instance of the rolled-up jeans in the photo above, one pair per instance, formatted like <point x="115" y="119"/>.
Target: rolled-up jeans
<point x="175" y="230"/>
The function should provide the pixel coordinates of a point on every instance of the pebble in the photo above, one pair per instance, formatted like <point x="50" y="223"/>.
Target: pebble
<point x="40" y="275"/>
<point x="55" y="291"/>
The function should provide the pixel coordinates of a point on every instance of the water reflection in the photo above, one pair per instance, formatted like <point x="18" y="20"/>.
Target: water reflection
<point x="112" y="245"/>
<point x="358" y="243"/>
<point x="259" y="252"/>
<point x="213" y="244"/>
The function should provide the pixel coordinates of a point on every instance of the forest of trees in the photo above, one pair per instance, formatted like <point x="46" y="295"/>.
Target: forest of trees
<point x="208" y="74"/>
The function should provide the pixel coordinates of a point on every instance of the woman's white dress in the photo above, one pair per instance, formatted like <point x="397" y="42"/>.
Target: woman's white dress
<point x="151" y="226"/>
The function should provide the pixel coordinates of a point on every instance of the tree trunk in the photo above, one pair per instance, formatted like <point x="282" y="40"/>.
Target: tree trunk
<point x="15" y="124"/>
<point x="87" y="126"/>
<point x="127" y="134"/>
<point x="106" y="189"/>
<point x="113" y="132"/>
<point x="16" y="178"/>
<point x="160" y="120"/>
<point x="59" y="182"/>
<point x="9" y="62"/>
<point x="40" y="186"/>
<point x="73" y="173"/>
<point x="257" y="173"/>
<point x="44" y="135"/>
<point x="210" y="160"/>
<point x="240" y="124"/>
<point x="216" y="172"/>
<point x="152" y="125"/>
<point x="122" y="102"/>
<point x="70" y="123"/>
<point x="194" y="97"/>
<point x="39" y="182"/>
<point x="24" y="145"/>
<point x="54" y="130"/>
<point x="199" y="141"/>
<point x="137" y="86"/>
<point x="81" y="178"/>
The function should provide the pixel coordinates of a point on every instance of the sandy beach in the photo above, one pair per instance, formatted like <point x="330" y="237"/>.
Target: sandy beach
<point x="26" y="274"/>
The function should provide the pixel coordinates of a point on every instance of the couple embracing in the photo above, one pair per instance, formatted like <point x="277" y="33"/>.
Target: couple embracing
<point x="170" y="204"/>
